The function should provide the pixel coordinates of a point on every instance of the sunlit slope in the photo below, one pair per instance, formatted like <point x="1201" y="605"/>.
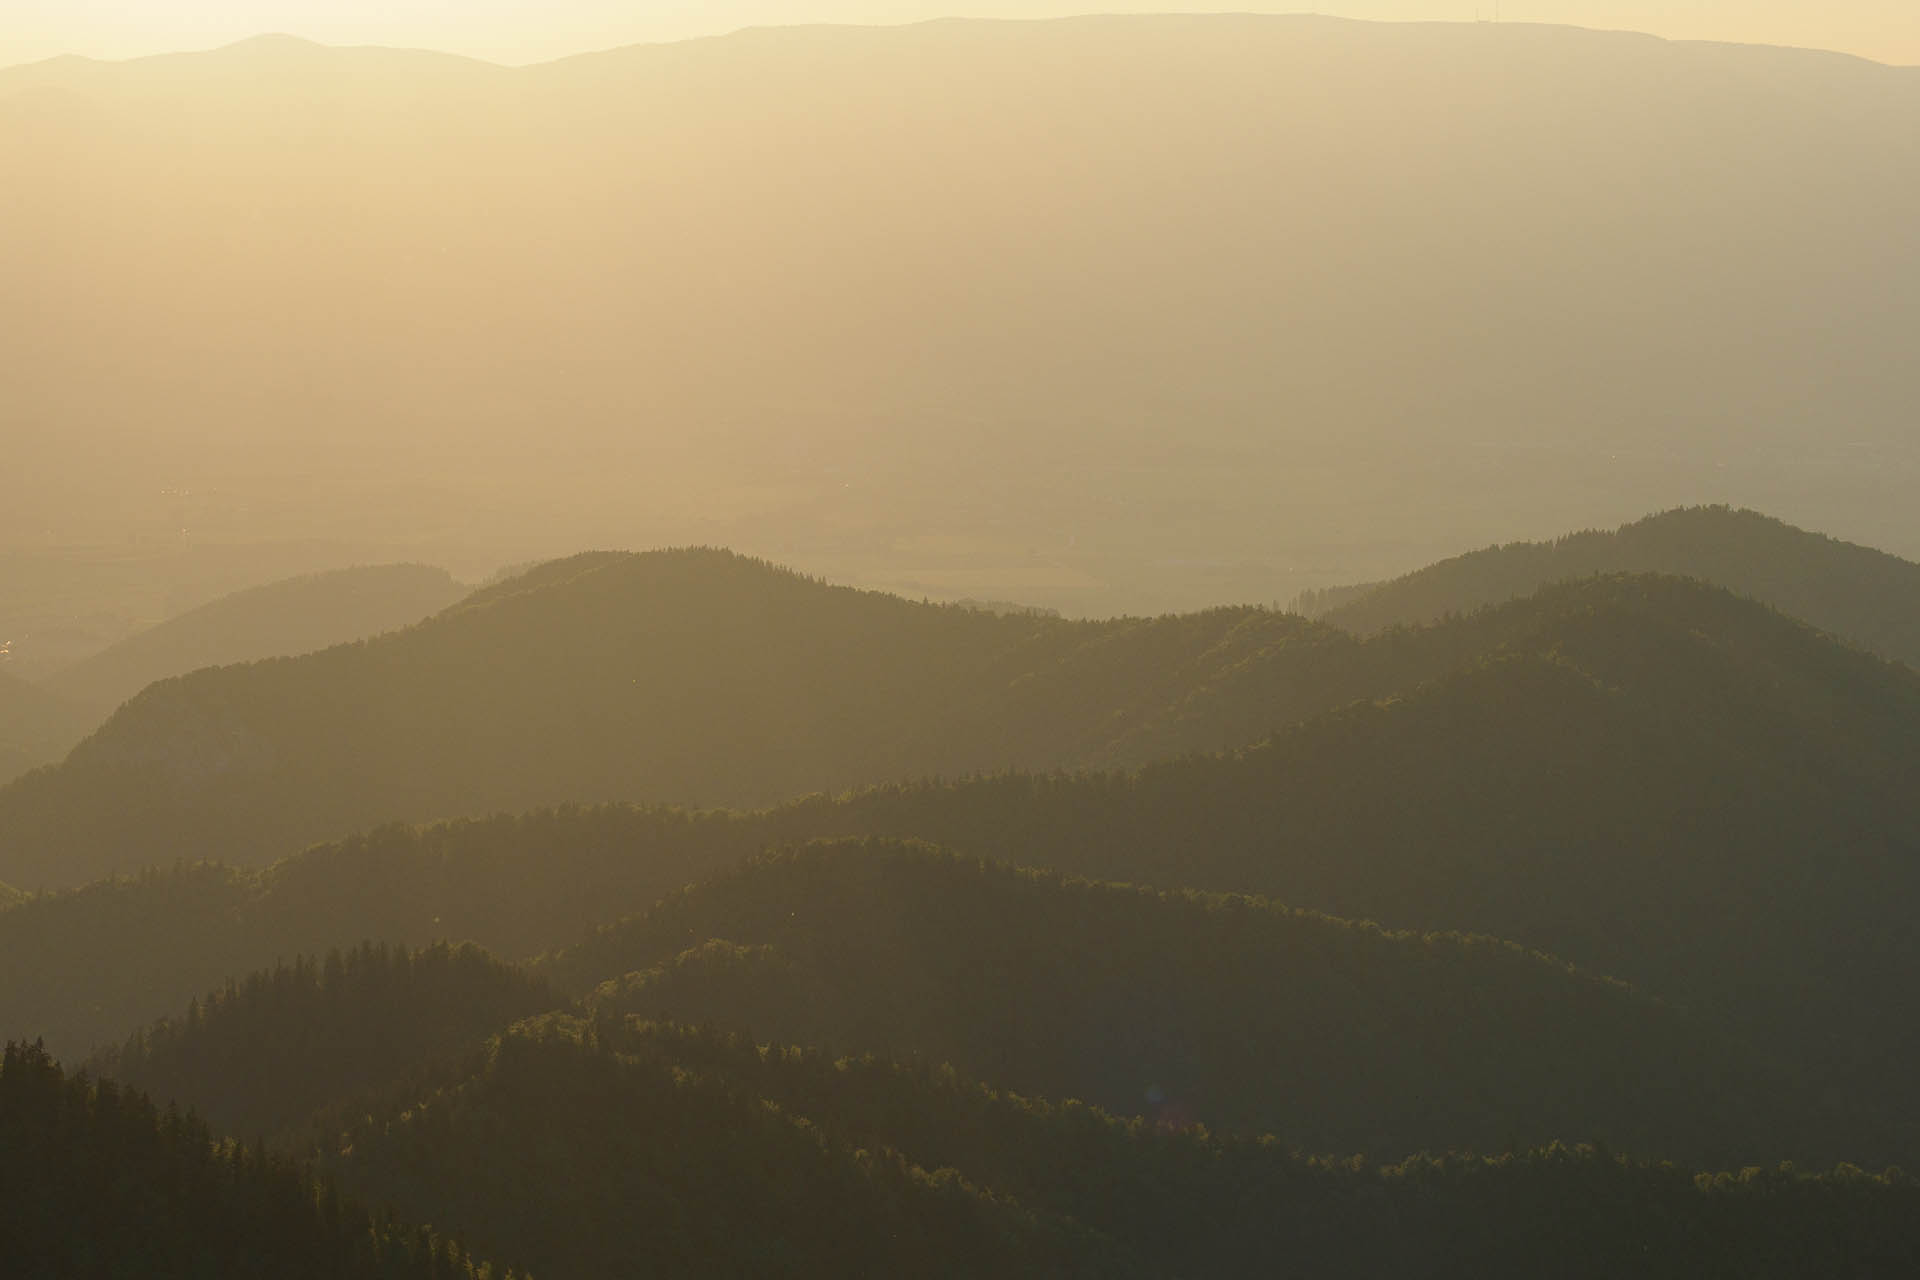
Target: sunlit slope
<point x="104" y="1181"/>
<point x="1117" y="306"/>
<point x="36" y="727"/>
<point x="575" y="1145"/>
<point x="1183" y="1008"/>
<point x="672" y="676"/>
<point x="268" y="1051"/>
<point x="1857" y="593"/>
<point x="1340" y="1033"/>
<point x="571" y="1158"/>
<point x="651" y="1111"/>
<point x="295" y="616"/>
<point x="1235" y="1014"/>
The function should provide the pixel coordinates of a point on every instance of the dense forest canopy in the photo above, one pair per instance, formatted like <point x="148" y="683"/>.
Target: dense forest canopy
<point x="1180" y="1008"/>
<point x="266" y="1052"/>
<point x="576" y="1145"/>
<point x="1127" y="1198"/>
<point x="1222" y="1011"/>
<point x="823" y="1167"/>
<point x="98" y="1180"/>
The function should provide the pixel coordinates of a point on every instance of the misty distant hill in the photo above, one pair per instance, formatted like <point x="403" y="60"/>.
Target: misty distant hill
<point x="36" y="727"/>
<point x="703" y="677"/>
<point x="685" y="676"/>
<point x="1857" y="593"/>
<point x="1073" y="312"/>
<point x="295" y="616"/>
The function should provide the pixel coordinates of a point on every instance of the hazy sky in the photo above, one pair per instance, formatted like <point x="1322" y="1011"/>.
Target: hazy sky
<point x="534" y="30"/>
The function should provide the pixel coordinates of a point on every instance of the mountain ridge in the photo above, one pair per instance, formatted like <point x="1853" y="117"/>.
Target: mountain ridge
<point x="278" y="619"/>
<point x="1859" y="594"/>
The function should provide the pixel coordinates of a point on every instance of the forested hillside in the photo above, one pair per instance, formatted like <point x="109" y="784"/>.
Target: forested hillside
<point x="575" y="1145"/>
<point x="1230" y="1012"/>
<point x="268" y="1051"/>
<point x="298" y="615"/>
<point x="690" y="677"/>
<point x="1856" y="593"/>
<point x="1653" y="780"/>
<point x="702" y="677"/>
<point x="689" y="1150"/>
<point x="98" y="1181"/>
<point x="87" y="967"/>
<point x="36" y="727"/>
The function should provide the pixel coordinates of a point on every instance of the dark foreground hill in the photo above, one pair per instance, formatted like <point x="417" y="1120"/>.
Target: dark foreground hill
<point x="1856" y="593"/>
<point x="691" y="676"/>
<point x="578" y="1147"/>
<point x="1230" y="1012"/>
<point x="1180" y="1008"/>
<point x="264" y="1054"/>
<point x="1119" y="1198"/>
<point x="98" y="1181"/>
<point x="298" y="615"/>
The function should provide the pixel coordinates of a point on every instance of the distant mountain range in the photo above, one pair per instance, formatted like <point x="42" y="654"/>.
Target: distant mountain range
<point x="1227" y="306"/>
<point x="673" y="676"/>
<point x="280" y="619"/>
<point x="698" y="676"/>
<point x="1856" y="593"/>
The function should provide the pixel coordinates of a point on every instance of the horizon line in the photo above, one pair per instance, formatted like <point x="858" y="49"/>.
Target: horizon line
<point x="1091" y="15"/>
